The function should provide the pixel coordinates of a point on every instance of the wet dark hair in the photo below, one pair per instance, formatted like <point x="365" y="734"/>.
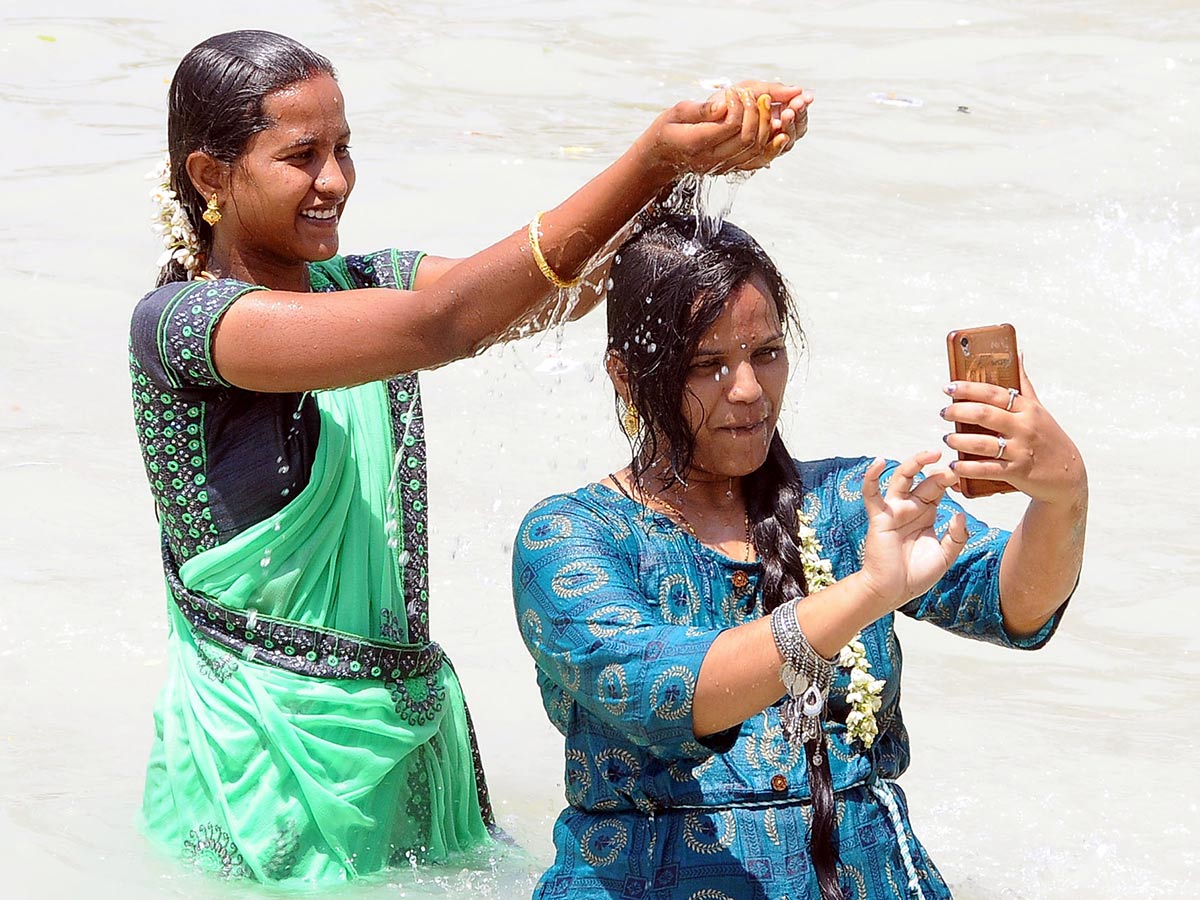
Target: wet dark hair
<point x="215" y="105"/>
<point x="670" y="282"/>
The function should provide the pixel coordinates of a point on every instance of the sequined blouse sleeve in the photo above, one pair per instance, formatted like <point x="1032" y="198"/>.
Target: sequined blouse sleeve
<point x="171" y="333"/>
<point x="607" y="658"/>
<point x="966" y="601"/>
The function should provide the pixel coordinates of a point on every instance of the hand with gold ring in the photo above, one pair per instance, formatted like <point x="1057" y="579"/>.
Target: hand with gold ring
<point x="741" y="128"/>
<point x="1026" y="446"/>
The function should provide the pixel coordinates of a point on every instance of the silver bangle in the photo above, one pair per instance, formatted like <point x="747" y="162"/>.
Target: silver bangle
<point x="805" y="674"/>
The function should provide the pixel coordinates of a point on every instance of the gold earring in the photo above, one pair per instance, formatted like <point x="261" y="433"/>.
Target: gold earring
<point x="631" y="421"/>
<point x="212" y="215"/>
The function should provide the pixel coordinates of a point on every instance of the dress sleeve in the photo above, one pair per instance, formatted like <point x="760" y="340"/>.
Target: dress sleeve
<point x="966" y="601"/>
<point x="595" y="634"/>
<point x="172" y="331"/>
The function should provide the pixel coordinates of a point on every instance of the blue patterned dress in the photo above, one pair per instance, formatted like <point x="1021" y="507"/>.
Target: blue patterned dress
<point x="618" y="607"/>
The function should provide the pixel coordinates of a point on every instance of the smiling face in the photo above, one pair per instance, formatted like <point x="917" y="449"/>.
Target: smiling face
<point x="288" y="189"/>
<point x="735" y="383"/>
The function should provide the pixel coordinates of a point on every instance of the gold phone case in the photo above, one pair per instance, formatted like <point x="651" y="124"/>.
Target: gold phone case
<point x="988" y="354"/>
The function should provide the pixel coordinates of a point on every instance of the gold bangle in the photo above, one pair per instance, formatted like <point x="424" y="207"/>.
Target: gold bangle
<point x="535" y="226"/>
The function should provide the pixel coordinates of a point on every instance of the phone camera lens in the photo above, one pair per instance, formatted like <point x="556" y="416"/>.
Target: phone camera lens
<point x="966" y="345"/>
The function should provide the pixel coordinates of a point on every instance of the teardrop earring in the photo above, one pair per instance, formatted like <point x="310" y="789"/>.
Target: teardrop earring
<point x="631" y="422"/>
<point x="212" y="215"/>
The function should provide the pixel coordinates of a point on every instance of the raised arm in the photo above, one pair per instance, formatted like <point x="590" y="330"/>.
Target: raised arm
<point x="902" y="558"/>
<point x="1041" y="563"/>
<point x="281" y="341"/>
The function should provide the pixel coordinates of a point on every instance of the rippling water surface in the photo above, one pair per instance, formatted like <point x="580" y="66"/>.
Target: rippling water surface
<point x="967" y="163"/>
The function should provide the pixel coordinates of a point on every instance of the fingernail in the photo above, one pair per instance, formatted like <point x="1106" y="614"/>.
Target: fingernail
<point x="953" y="465"/>
<point x="946" y="439"/>
<point x="951" y="388"/>
<point x="943" y="411"/>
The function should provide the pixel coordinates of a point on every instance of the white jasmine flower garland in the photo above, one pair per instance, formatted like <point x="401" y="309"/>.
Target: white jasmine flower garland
<point x="172" y="225"/>
<point x="865" y="694"/>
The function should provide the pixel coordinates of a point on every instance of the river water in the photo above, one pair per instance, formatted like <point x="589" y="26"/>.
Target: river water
<point x="967" y="163"/>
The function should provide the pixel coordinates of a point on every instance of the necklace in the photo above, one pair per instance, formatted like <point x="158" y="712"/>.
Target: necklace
<point x="740" y="579"/>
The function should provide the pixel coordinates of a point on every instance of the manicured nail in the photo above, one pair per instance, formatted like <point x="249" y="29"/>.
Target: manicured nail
<point x="951" y="388"/>
<point x="953" y="465"/>
<point x="946" y="439"/>
<point x="943" y="411"/>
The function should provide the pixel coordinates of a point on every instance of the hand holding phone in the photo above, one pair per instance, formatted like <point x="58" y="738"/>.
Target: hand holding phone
<point x="985" y="354"/>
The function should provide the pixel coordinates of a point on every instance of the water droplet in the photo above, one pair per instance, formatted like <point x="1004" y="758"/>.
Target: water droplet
<point x="608" y="284"/>
<point x="265" y="561"/>
<point x="652" y="348"/>
<point x="278" y="526"/>
<point x="283" y="470"/>
<point x="403" y="558"/>
<point x="285" y="492"/>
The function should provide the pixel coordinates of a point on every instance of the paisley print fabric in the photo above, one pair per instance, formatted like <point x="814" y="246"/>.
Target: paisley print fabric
<point x="618" y="608"/>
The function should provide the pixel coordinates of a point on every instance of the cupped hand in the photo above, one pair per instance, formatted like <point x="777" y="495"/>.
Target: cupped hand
<point x="903" y="556"/>
<point x="1037" y="457"/>
<point x="742" y="128"/>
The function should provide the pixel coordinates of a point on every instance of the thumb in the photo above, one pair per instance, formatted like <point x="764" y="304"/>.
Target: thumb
<point x="955" y="538"/>
<point x="715" y="109"/>
<point x="1026" y="385"/>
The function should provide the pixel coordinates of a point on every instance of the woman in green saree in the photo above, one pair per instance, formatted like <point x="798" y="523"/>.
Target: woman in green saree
<point x="309" y="730"/>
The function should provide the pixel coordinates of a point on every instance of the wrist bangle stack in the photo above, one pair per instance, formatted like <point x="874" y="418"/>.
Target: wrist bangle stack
<point x="535" y="229"/>
<point x="805" y="674"/>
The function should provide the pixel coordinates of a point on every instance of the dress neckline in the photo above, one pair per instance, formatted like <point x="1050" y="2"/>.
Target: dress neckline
<point x="616" y="498"/>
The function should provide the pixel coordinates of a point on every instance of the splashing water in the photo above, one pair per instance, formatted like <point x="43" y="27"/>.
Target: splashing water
<point x="708" y="199"/>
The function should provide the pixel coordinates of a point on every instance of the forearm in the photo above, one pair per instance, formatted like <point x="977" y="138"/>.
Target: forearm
<point x="1042" y="561"/>
<point x="279" y="341"/>
<point x="740" y="674"/>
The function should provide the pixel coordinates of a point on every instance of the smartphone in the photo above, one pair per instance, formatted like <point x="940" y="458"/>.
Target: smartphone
<point x="989" y="354"/>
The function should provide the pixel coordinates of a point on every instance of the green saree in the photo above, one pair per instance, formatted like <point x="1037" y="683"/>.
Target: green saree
<point x="309" y="732"/>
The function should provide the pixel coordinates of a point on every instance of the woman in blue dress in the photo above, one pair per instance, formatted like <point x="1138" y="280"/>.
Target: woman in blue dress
<point x="712" y="625"/>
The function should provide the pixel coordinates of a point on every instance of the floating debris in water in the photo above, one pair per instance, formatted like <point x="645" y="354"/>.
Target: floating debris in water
<point x="966" y="110"/>
<point x="573" y="152"/>
<point x="888" y="98"/>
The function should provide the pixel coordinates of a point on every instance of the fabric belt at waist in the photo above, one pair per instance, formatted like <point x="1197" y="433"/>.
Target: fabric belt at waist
<point x="300" y="649"/>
